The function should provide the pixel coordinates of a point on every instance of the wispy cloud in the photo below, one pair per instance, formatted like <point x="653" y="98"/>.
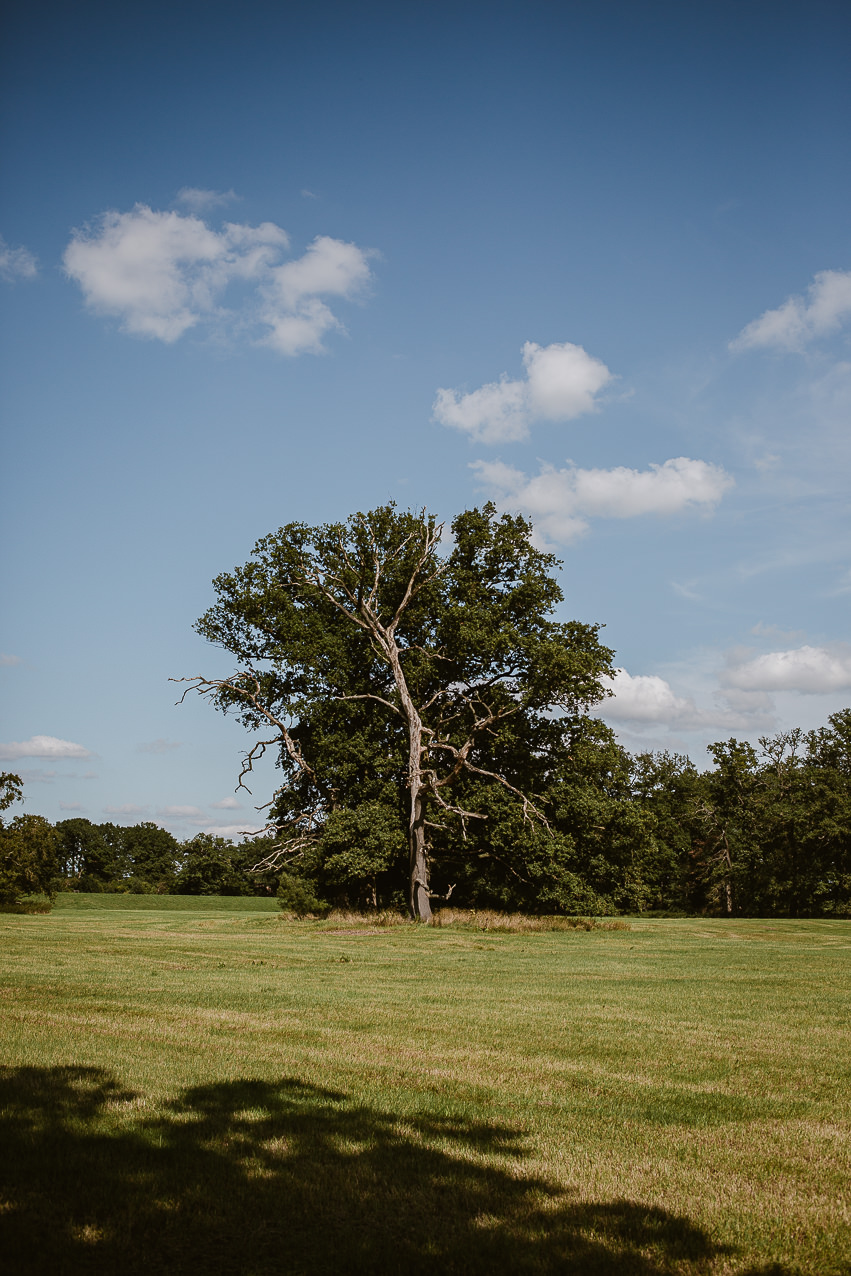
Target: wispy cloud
<point x="561" y="502"/>
<point x="158" y="746"/>
<point x="181" y="812"/>
<point x="71" y="806"/>
<point x="226" y="804"/>
<point x="164" y="273"/>
<point x="127" y="808"/>
<point x="561" y="383"/>
<point x="16" y="263"/>
<point x="801" y="320"/>
<point x="200" y="200"/>
<point x="7" y="659"/>
<point x="43" y="746"/>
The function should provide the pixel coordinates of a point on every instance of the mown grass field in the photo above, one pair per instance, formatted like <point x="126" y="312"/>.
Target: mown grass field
<point x="210" y="1088"/>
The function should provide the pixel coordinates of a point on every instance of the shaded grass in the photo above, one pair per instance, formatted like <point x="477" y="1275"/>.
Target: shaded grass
<point x="222" y="1090"/>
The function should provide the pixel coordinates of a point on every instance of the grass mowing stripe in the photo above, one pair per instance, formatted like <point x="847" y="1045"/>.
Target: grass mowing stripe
<point x="206" y="1089"/>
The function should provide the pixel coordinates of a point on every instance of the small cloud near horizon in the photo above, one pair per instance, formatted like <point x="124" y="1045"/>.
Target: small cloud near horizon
<point x="6" y="658"/>
<point x="43" y="746"/>
<point x="158" y="746"/>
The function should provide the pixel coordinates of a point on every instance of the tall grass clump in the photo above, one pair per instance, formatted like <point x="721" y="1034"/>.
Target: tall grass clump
<point x="487" y="919"/>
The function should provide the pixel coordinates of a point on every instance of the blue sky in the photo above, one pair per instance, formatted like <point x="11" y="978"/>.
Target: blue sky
<point x="590" y="260"/>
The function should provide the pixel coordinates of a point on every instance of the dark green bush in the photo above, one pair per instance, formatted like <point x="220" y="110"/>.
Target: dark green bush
<point x="295" y="895"/>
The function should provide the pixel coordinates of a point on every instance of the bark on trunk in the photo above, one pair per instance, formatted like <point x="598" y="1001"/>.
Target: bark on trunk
<point x="418" y="892"/>
<point x="419" y="899"/>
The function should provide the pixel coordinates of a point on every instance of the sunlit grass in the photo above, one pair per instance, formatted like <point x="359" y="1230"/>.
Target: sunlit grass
<point x="212" y="1087"/>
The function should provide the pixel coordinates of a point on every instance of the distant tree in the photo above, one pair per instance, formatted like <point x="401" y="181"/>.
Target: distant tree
<point x="671" y="793"/>
<point x="438" y="687"/>
<point x="212" y="866"/>
<point x="151" y="854"/>
<point x="28" y="848"/>
<point x="90" y="855"/>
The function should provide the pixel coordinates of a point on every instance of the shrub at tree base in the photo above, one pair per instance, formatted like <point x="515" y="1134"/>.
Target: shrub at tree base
<point x="297" y="896"/>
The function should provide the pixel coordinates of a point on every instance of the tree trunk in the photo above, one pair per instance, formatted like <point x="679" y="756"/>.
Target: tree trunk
<point x="419" y="898"/>
<point x="728" y="889"/>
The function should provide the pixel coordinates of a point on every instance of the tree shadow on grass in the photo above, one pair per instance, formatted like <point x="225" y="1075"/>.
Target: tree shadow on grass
<point x="255" y="1178"/>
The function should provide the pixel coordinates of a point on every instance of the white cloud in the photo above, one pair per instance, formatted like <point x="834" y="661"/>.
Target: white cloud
<point x="297" y="318"/>
<point x="163" y="273"/>
<point x="127" y="808"/>
<point x="799" y="321"/>
<point x="226" y="804"/>
<point x="7" y="659"/>
<point x="495" y="413"/>
<point x="158" y="746"/>
<point x="71" y="806"/>
<point x="43" y="746"/>
<point x="561" y="383"/>
<point x="560" y="502"/>
<point x="16" y="263"/>
<point x="812" y="670"/>
<point x="646" y="698"/>
<point x="181" y="812"/>
<point x="199" y="200"/>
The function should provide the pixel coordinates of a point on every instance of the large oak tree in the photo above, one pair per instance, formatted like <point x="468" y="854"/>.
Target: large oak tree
<point x="389" y="668"/>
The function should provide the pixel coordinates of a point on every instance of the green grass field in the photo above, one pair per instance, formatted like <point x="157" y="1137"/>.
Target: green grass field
<point x="202" y="1086"/>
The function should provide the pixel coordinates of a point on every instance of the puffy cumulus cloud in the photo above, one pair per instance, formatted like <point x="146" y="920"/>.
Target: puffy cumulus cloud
<point x="43" y="746"/>
<point x="811" y="670"/>
<point x="646" y="698"/>
<point x="561" y="502"/>
<point x="561" y="383"/>
<point x="495" y="413"/>
<point x="199" y="200"/>
<point x="163" y="273"/>
<point x="16" y="263"/>
<point x="226" y="804"/>
<point x="801" y="320"/>
<point x="296" y="316"/>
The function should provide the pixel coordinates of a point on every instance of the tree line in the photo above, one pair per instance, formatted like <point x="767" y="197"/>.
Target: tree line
<point x="435" y="727"/>
<point x="765" y="831"/>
